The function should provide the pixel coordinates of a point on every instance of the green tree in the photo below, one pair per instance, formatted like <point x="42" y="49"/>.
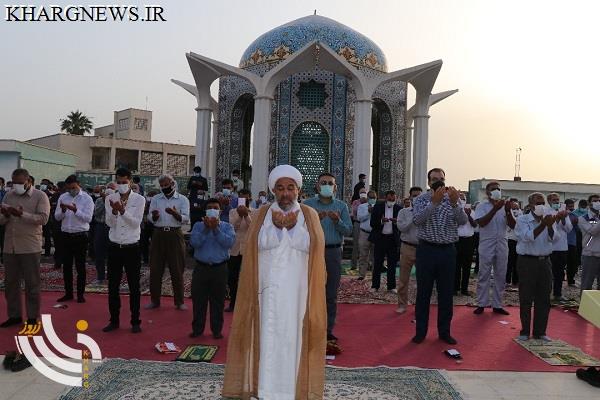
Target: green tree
<point x="76" y="123"/>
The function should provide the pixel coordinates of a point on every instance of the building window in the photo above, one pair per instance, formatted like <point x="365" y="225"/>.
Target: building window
<point x="177" y="164"/>
<point x="312" y="94"/>
<point x="141" y="124"/>
<point x="100" y="157"/>
<point x="152" y="163"/>
<point x="123" y="124"/>
<point x="310" y="152"/>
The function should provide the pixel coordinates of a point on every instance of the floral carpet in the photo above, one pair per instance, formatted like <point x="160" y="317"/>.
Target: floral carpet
<point x="132" y="379"/>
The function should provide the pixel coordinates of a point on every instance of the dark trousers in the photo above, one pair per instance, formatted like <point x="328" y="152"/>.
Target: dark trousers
<point x="209" y="287"/>
<point x="476" y="246"/>
<point x="128" y="259"/>
<point x="559" y="263"/>
<point x="75" y="248"/>
<point x="47" y="232"/>
<point x="512" y="276"/>
<point x="101" y="247"/>
<point x="167" y="250"/>
<point x="464" y="259"/>
<point x="333" y="264"/>
<point x="573" y="262"/>
<point x="435" y="265"/>
<point x="535" y="284"/>
<point x="145" y="236"/>
<point x="2" y="229"/>
<point x="386" y="247"/>
<point x="17" y="268"/>
<point x="91" y="250"/>
<point x="57" y="238"/>
<point x="233" y="277"/>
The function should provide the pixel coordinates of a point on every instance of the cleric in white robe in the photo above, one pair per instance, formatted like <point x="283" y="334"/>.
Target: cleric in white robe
<point x="278" y="336"/>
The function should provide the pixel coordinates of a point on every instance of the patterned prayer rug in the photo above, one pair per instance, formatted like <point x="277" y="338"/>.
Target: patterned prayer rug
<point x="353" y="291"/>
<point x="558" y="352"/>
<point x="132" y="379"/>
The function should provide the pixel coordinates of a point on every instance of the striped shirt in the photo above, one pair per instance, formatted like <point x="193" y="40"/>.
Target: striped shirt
<point x="437" y="224"/>
<point x="334" y="232"/>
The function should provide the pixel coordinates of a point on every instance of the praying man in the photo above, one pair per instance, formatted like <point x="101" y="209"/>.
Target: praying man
<point x="278" y="336"/>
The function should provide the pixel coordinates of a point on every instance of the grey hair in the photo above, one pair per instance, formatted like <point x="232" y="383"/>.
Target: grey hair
<point x="552" y="194"/>
<point x="534" y="194"/>
<point x="166" y="176"/>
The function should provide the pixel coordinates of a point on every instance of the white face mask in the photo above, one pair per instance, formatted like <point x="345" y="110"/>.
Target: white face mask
<point x="212" y="213"/>
<point x="596" y="205"/>
<point x="363" y="195"/>
<point x="19" y="188"/>
<point x="539" y="210"/>
<point x="123" y="188"/>
<point x="263" y="199"/>
<point x="390" y="203"/>
<point x="496" y="194"/>
<point x="43" y="187"/>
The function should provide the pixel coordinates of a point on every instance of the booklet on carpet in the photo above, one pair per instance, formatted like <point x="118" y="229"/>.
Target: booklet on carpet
<point x="198" y="353"/>
<point x="167" y="347"/>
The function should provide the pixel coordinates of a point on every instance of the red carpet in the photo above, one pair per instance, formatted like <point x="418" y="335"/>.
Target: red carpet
<point x="370" y="335"/>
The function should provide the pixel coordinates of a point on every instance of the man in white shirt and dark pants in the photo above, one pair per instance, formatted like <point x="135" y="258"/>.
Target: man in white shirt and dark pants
<point x="493" y="216"/>
<point x="169" y="210"/>
<point x="75" y="209"/>
<point x="464" y="250"/>
<point x="536" y="233"/>
<point x="560" y="249"/>
<point x="365" y="247"/>
<point x="124" y="214"/>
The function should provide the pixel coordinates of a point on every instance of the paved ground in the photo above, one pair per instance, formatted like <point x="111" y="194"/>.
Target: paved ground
<point x="475" y="385"/>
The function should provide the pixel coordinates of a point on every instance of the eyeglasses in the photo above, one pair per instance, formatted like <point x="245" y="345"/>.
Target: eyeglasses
<point x="330" y="183"/>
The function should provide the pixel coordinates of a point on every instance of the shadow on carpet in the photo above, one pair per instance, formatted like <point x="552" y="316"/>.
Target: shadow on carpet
<point x="133" y="379"/>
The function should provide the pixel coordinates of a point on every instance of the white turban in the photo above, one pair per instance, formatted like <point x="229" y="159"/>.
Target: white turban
<point x="284" y="171"/>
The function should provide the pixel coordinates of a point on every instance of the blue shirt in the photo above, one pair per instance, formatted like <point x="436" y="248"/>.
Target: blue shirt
<point x="572" y="235"/>
<point x="437" y="224"/>
<point x="527" y="244"/>
<point x="334" y="232"/>
<point x="212" y="247"/>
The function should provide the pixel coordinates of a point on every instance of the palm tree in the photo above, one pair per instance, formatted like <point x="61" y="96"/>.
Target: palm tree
<point x="76" y="123"/>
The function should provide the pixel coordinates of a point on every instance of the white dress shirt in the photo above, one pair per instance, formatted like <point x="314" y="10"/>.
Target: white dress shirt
<point x="529" y="245"/>
<point x="364" y="217"/>
<point x="388" y="227"/>
<point x="75" y="222"/>
<point x="125" y="229"/>
<point x="406" y="226"/>
<point x="160" y="203"/>
<point x="563" y="243"/>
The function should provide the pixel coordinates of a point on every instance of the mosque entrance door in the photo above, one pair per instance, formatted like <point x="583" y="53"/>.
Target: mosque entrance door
<point x="242" y="121"/>
<point x="310" y="153"/>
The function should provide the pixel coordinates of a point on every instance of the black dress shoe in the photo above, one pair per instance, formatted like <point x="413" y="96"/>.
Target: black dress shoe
<point x="590" y="375"/>
<point x="136" y="328"/>
<point x="110" y="327"/>
<point x="331" y="336"/>
<point x="8" y="360"/>
<point x="478" y="310"/>
<point x="80" y="299"/>
<point x="217" y="335"/>
<point x="360" y="278"/>
<point x="66" y="297"/>
<point x="31" y="321"/>
<point x="501" y="311"/>
<point x="448" y="339"/>
<point x="11" y="322"/>
<point x="20" y="363"/>
<point x="195" y="334"/>
<point x="228" y="309"/>
<point x="418" y="339"/>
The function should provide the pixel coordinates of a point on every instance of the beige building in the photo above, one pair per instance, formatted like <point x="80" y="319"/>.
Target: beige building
<point x="126" y="143"/>
<point x="522" y="189"/>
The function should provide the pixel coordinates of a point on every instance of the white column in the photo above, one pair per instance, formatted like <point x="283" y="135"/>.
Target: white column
<point x="420" y="150"/>
<point x="260" y="144"/>
<point x="202" y="136"/>
<point x="410" y="159"/>
<point x="362" y="140"/>
<point x="212" y="162"/>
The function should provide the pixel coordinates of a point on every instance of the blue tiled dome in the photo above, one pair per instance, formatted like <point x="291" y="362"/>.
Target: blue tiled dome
<point x="279" y="43"/>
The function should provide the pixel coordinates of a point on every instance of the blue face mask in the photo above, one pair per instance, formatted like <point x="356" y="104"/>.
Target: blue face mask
<point x="226" y="192"/>
<point x="555" y="206"/>
<point x="212" y="213"/>
<point x="326" y="191"/>
<point x="372" y="201"/>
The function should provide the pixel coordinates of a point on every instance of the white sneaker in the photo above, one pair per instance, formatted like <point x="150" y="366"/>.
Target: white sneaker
<point x="401" y="309"/>
<point x="393" y="291"/>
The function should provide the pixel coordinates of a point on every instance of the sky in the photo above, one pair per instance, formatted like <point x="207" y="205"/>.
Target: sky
<point x="527" y="73"/>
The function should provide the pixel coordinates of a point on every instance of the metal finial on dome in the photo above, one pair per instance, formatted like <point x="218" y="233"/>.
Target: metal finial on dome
<point x="315" y="12"/>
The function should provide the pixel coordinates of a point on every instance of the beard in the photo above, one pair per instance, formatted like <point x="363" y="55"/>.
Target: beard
<point x="289" y="206"/>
